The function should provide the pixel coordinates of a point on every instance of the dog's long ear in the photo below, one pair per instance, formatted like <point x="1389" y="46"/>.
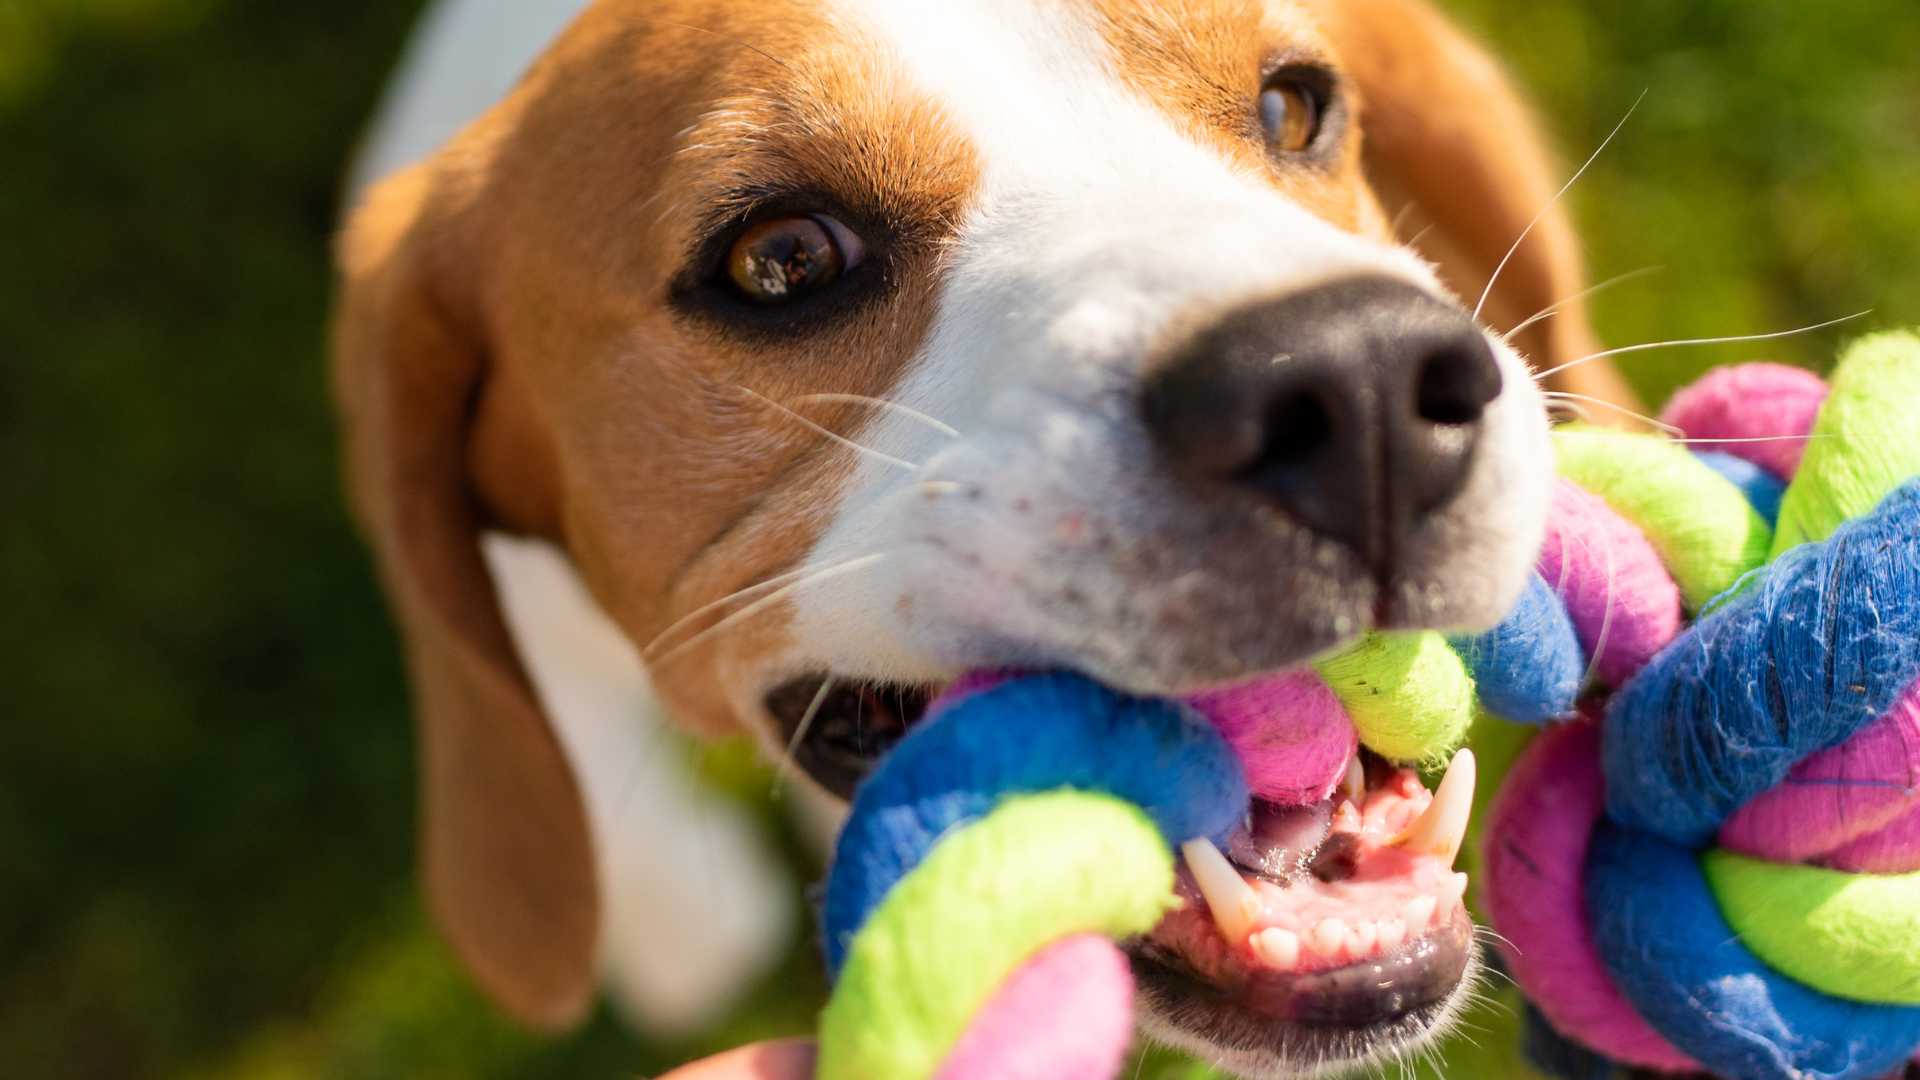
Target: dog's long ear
<point x="1448" y="141"/>
<point x="505" y="848"/>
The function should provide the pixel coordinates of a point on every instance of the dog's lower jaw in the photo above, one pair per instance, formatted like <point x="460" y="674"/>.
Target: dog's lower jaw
<point x="1169" y="1018"/>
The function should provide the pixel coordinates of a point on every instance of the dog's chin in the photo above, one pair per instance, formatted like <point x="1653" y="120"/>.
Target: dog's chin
<point x="1383" y="1009"/>
<point x="1383" y="984"/>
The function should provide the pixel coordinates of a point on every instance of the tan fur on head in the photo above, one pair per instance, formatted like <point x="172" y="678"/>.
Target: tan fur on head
<point x="504" y="843"/>
<point x="508" y="354"/>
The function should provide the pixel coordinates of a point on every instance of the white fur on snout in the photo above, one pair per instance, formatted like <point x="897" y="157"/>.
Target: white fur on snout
<point x="1096" y="229"/>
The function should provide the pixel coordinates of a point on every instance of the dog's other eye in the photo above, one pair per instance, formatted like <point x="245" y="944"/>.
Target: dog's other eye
<point x="1291" y="109"/>
<point x="784" y="259"/>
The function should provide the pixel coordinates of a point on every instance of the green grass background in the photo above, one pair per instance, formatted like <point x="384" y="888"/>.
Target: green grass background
<point x="205" y="788"/>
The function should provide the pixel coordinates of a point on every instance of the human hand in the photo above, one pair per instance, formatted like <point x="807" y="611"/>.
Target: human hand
<point x="788" y="1059"/>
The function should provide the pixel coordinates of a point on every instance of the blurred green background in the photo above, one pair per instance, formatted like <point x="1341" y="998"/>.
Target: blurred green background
<point x="205" y="787"/>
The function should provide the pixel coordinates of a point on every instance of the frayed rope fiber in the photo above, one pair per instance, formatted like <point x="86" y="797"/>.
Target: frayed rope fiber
<point x="1784" y="726"/>
<point x="1840" y="797"/>
<point x="1030" y="817"/>
<point x="1815" y="651"/>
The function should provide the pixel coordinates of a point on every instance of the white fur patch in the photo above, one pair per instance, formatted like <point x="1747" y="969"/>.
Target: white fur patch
<point x="693" y="901"/>
<point x="1097" y="224"/>
<point x="464" y="57"/>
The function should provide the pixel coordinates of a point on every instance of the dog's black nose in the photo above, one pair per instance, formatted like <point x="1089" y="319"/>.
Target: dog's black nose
<point x="1354" y="407"/>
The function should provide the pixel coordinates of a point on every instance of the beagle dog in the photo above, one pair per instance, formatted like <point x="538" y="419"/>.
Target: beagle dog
<point x="844" y="346"/>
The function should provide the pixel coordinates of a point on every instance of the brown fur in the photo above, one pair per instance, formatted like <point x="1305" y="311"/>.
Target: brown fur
<point x="507" y="356"/>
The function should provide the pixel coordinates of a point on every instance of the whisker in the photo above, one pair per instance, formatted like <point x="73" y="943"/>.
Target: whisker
<point x="1562" y="395"/>
<point x="1537" y="218"/>
<point x="1606" y="619"/>
<point x="1574" y="407"/>
<point x="737" y="594"/>
<point x="1484" y="931"/>
<point x="1709" y="442"/>
<point x="841" y="439"/>
<point x="890" y="406"/>
<point x="783" y="769"/>
<point x="951" y="486"/>
<point x="1554" y="308"/>
<point x="1678" y="342"/>
<point x="774" y="597"/>
<point x="728" y="38"/>
<point x="1402" y="216"/>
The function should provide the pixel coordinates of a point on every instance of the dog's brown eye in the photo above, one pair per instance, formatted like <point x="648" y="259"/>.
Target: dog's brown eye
<point x="782" y="260"/>
<point x="1290" y="111"/>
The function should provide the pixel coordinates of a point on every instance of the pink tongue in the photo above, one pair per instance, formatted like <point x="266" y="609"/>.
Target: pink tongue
<point x="1279" y="839"/>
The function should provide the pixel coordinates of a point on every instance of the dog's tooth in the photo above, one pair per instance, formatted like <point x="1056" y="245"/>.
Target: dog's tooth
<point x="1454" y="890"/>
<point x="1420" y="911"/>
<point x="1278" y="947"/>
<point x="1393" y="934"/>
<point x="1443" y="828"/>
<point x="1354" y="787"/>
<point x="1361" y="939"/>
<point x="1232" y="901"/>
<point x="1329" y="935"/>
<point x="1347" y="818"/>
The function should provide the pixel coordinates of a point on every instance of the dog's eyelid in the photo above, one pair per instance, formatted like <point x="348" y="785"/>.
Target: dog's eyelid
<point x="732" y="211"/>
<point x="1311" y="92"/>
<point x="853" y="249"/>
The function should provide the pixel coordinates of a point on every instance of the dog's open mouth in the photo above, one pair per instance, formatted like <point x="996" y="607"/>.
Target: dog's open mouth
<point x="1320" y="930"/>
<point x="1321" y="925"/>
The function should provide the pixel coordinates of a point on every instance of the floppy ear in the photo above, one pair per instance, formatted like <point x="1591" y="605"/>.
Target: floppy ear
<point x="505" y="849"/>
<point x="1449" y="142"/>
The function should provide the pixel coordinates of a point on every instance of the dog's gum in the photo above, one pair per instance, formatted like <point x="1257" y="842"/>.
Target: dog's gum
<point x="1388" y="892"/>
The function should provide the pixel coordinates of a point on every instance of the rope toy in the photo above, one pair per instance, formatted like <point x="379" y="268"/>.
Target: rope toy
<point x="1027" y="820"/>
<point x="992" y="856"/>
<point x="1718" y="866"/>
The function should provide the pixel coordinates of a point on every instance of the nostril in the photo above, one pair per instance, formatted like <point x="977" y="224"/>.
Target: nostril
<point x="1457" y="383"/>
<point x="1297" y="427"/>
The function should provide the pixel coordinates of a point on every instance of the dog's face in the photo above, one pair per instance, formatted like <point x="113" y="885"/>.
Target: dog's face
<point x="847" y="345"/>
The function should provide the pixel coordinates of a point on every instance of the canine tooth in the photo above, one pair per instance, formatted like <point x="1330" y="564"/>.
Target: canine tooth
<point x="1279" y="947"/>
<point x="1232" y="901"/>
<point x="1455" y="890"/>
<point x="1443" y="828"/>
<point x="1420" y="911"/>
<point x="1329" y="934"/>
<point x="1393" y="934"/>
<point x="1348" y="819"/>
<point x="1362" y="937"/>
<point x="1355" y="785"/>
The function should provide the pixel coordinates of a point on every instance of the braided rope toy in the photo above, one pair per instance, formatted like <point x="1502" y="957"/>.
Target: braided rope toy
<point x="1719" y="868"/>
<point x="1027" y="821"/>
